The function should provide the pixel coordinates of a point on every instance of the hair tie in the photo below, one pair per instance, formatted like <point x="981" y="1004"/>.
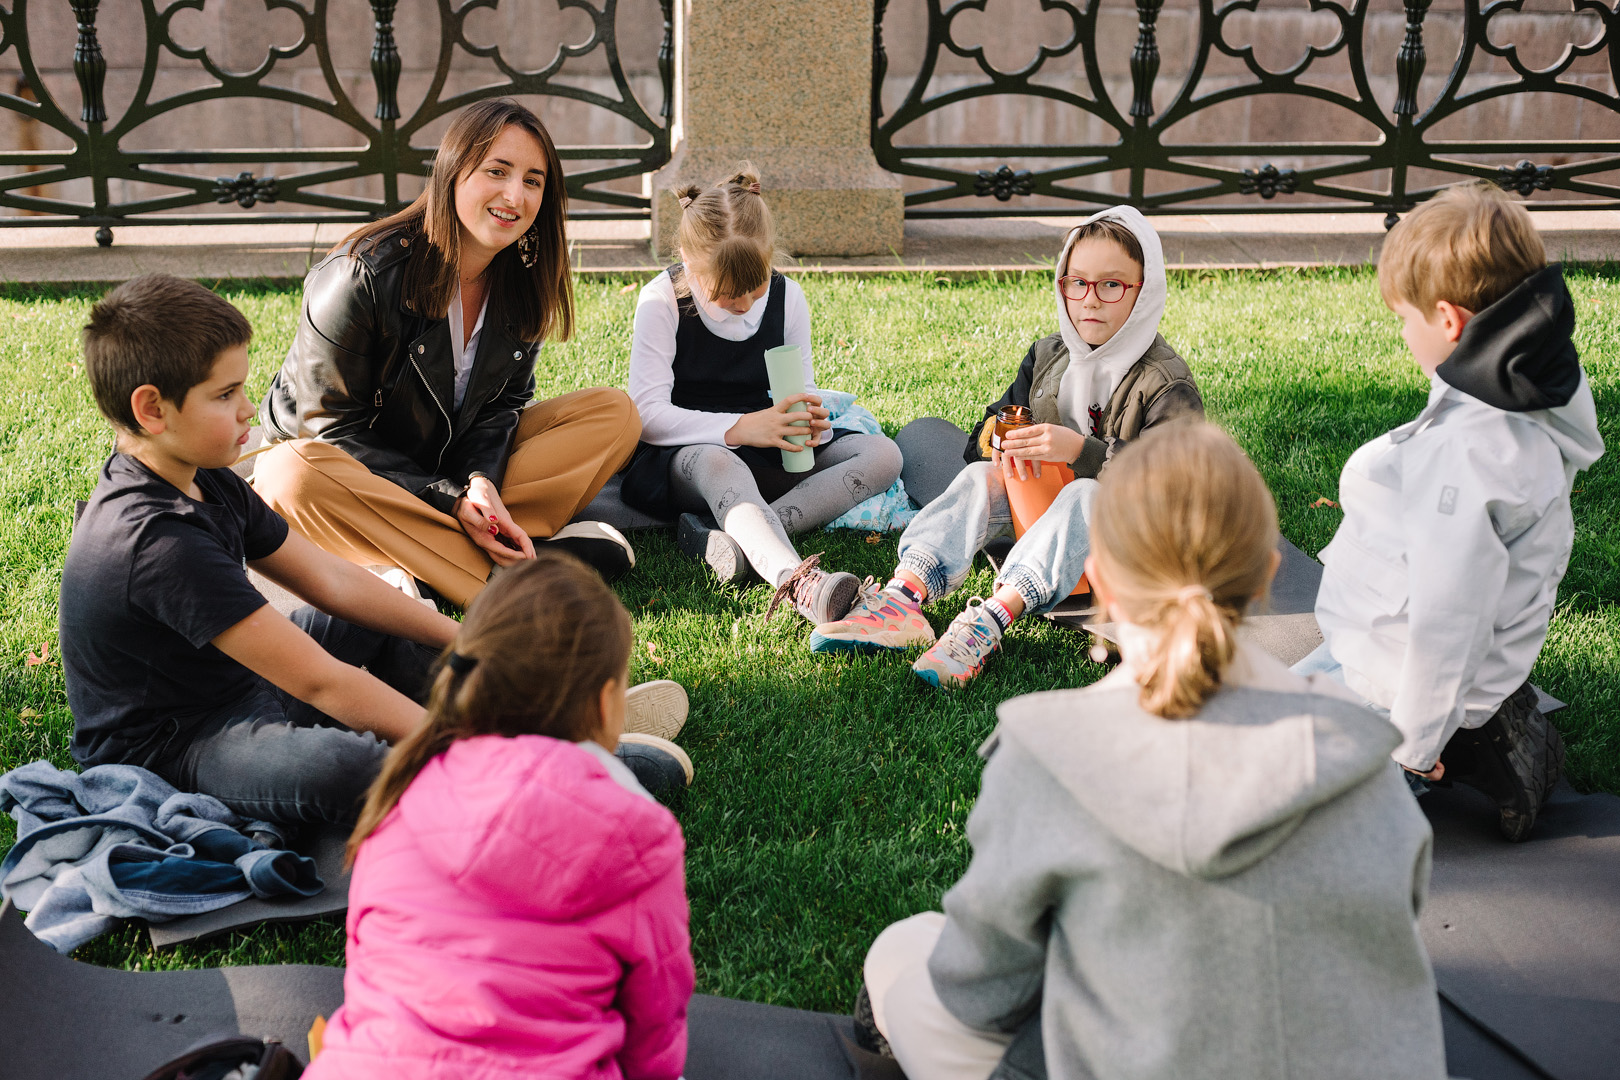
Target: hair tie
<point x="1189" y="593"/>
<point x="459" y="664"/>
<point x="754" y="187"/>
<point x="684" y="200"/>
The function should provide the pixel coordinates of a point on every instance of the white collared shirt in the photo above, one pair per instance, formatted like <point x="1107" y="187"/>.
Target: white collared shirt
<point x="464" y="355"/>
<point x="652" y="358"/>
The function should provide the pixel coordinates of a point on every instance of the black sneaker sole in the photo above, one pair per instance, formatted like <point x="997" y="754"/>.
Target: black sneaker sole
<point x="1515" y="758"/>
<point x="716" y="548"/>
<point x="867" y="1035"/>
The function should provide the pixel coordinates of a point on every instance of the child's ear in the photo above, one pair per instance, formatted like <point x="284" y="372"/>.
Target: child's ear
<point x="150" y="408"/>
<point x="1452" y="319"/>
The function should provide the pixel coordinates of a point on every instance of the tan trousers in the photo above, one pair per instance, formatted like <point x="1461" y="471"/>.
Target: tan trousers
<point x="563" y="451"/>
<point x="928" y="1042"/>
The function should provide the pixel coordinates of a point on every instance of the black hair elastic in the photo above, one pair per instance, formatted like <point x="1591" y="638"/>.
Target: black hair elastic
<point x="460" y="664"/>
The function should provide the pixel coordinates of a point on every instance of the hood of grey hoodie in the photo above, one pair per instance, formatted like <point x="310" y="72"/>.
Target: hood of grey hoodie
<point x="1209" y="796"/>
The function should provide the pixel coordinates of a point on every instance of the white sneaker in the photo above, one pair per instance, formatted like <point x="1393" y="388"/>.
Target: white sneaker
<point x="402" y="581"/>
<point x="656" y="708"/>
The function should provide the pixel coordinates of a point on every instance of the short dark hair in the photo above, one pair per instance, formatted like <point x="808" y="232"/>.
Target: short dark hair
<point x="156" y="329"/>
<point x="1109" y="229"/>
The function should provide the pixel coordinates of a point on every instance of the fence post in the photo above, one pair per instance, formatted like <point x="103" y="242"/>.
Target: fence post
<point x="1409" y="64"/>
<point x="788" y="86"/>
<point x="1144" y="70"/>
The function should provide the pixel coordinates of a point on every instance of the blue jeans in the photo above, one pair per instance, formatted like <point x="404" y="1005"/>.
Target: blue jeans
<point x="274" y="758"/>
<point x="1044" y="565"/>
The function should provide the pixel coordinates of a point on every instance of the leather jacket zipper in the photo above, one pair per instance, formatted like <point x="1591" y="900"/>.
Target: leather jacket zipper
<point x="449" y="425"/>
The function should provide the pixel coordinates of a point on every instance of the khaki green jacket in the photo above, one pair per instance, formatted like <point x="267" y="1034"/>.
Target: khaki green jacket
<point x="1157" y="388"/>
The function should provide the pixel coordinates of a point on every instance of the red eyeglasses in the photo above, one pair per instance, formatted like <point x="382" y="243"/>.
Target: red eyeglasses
<point x="1109" y="291"/>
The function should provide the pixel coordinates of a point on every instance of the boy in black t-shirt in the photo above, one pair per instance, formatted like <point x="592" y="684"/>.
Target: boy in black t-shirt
<point x="173" y="660"/>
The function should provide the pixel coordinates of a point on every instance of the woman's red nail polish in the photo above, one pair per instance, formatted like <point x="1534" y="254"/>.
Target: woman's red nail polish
<point x="493" y="531"/>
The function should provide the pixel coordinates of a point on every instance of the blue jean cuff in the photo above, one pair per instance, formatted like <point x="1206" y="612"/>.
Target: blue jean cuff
<point x="1030" y="587"/>
<point x="928" y="570"/>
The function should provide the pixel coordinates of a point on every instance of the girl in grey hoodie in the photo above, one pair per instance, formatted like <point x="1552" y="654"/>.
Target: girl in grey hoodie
<point x="1203" y="865"/>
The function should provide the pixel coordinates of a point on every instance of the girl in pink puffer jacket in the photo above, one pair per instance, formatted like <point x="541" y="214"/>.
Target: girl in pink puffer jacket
<point x="518" y="906"/>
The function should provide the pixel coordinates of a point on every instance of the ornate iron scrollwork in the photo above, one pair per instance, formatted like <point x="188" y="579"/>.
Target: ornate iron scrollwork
<point x="118" y="169"/>
<point x="1267" y="181"/>
<point x="1138" y="155"/>
<point x="1004" y="183"/>
<point x="245" y="190"/>
<point x="1525" y="177"/>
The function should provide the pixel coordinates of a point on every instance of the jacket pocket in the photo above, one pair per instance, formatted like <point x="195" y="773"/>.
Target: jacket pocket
<point x="1380" y="578"/>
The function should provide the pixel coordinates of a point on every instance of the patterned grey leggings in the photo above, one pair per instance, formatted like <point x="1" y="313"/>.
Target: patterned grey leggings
<point x="712" y="478"/>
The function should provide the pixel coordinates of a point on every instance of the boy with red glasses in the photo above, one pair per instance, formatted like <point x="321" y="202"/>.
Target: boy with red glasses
<point x="1106" y="376"/>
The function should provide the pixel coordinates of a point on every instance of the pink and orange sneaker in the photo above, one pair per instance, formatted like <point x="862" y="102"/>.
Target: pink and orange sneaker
<point x="879" y="621"/>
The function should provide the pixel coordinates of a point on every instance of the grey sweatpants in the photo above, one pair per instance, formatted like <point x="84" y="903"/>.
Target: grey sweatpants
<point x="850" y="471"/>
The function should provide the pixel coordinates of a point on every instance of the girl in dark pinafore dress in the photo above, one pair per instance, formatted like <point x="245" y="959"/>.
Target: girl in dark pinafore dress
<point x="710" y="432"/>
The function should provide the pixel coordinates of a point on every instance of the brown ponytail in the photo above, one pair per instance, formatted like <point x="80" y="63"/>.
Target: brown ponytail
<point x="727" y="235"/>
<point x="531" y="658"/>
<point x="1184" y="531"/>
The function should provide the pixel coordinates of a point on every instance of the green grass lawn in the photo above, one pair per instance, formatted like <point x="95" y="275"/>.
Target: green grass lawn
<point x="832" y="792"/>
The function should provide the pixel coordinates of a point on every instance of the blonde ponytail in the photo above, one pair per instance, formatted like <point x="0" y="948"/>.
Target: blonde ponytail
<point x="1184" y="531"/>
<point x="727" y="235"/>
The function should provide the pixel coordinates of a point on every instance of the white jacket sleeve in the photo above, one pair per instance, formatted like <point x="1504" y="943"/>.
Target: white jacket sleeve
<point x="652" y="375"/>
<point x="1456" y="568"/>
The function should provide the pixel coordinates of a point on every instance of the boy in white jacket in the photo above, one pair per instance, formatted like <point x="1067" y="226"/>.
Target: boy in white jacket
<point x="1441" y="580"/>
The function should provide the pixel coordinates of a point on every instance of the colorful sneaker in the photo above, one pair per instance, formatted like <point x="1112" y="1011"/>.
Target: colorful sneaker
<point x="878" y="623"/>
<point x="817" y="595"/>
<point x="961" y="652"/>
<point x="656" y="708"/>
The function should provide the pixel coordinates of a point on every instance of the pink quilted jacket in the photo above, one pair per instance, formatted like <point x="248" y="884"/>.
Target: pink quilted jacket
<point x="519" y="914"/>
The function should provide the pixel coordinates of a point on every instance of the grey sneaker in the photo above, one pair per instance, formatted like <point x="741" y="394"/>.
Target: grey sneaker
<point x="716" y="547"/>
<point x="817" y="595"/>
<point x="658" y="764"/>
<point x="1515" y="757"/>
<point x="656" y="708"/>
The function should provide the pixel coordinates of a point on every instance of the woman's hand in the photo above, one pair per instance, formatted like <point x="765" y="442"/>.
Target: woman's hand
<point x="483" y="517"/>
<point x="771" y="427"/>
<point x="1023" y="449"/>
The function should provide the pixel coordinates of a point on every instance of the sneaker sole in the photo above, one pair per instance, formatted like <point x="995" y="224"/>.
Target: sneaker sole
<point x="819" y="642"/>
<point x="839" y="597"/>
<point x="717" y="550"/>
<point x="1536" y="755"/>
<point x="639" y="738"/>
<point x="656" y="708"/>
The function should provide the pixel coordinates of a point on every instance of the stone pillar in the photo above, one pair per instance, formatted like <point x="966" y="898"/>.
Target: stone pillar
<point x="786" y="85"/>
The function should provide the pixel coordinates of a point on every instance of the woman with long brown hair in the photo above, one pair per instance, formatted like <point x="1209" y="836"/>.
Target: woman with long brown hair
<point x="407" y="434"/>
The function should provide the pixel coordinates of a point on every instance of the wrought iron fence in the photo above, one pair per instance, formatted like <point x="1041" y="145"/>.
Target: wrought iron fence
<point x="97" y="153"/>
<point x="1404" y="152"/>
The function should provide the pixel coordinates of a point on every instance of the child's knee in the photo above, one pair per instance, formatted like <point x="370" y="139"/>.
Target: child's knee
<point x="900" y="946"/>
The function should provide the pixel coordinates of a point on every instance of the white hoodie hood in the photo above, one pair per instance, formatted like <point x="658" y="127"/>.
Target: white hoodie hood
<point x="1094" y="372"/>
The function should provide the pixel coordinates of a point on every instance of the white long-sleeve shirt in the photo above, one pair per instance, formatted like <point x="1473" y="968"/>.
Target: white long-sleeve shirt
<point x="652" y="358"/>
<point x="1441" y="579"/>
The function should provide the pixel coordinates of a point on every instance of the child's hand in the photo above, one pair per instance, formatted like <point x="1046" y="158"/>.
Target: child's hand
<point x="771" y="427"/>
<point x="1042" y="442"/>
<point x="484" y="518"/>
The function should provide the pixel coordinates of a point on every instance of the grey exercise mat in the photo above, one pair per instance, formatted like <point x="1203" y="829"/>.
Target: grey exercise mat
<point x="325" y="846"/>
<point x="1525" y="938"/>
<point x="931" y="449"/>
<point x="61" y="1018"/>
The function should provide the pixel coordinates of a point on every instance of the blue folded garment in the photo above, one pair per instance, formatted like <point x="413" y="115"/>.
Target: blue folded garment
<point x="117" y="841"/>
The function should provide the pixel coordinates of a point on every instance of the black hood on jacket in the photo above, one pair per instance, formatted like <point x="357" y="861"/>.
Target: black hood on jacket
<point x="1517" y="354"/>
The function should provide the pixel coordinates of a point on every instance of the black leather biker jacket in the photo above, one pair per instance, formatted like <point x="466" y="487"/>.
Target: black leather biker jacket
<point x="368" y="375"/>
